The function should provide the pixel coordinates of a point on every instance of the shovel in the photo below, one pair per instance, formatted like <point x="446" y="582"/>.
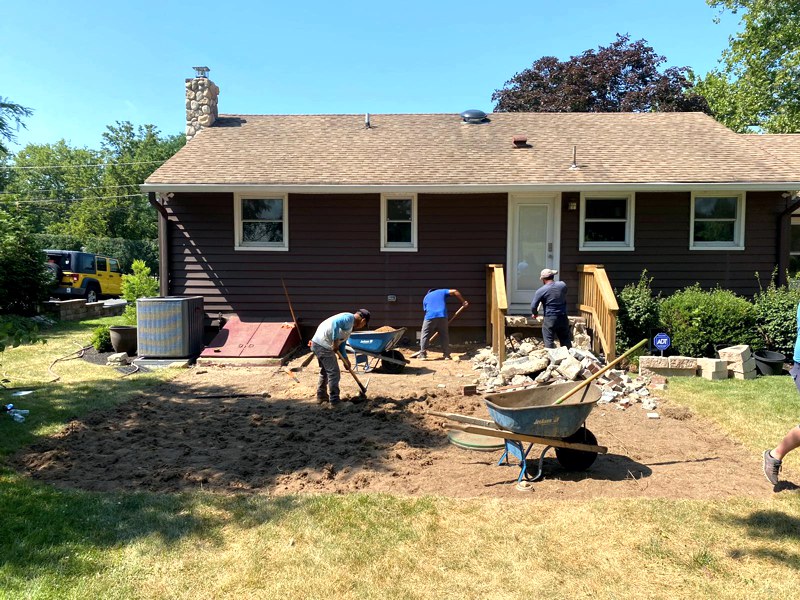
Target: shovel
<point x="435" y="333"/>
<point x="362" y="388"/>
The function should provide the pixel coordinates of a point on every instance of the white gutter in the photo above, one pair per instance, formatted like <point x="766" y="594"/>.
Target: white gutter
<point x="470" y="188"/>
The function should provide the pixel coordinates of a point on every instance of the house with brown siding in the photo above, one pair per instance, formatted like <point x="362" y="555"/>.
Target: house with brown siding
<point x="355" y="210"/>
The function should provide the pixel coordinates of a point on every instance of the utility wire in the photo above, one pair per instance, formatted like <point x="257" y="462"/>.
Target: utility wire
<point x="144" y="162"/>
<point x="92" y="187"/>
<point x="49" y="200"/>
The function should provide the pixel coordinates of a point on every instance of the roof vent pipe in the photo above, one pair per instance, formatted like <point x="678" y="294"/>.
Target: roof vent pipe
<point x="574" y="166"/>
<point x="366" y="122"/>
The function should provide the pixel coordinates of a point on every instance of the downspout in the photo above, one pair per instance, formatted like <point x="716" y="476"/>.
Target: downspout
<point x="163" y="243"/>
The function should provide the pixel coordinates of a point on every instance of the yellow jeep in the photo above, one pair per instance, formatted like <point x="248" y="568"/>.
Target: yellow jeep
<point x="84" y="275"/>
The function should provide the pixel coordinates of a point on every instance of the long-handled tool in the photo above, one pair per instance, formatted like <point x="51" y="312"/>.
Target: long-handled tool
<point x="362" y="388"/>
<point x="435" y="333"/>
<point x="594" y="376"/>
<point x="291" y="310"/>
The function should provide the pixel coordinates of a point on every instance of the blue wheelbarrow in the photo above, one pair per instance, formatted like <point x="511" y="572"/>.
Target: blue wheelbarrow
<point x="530" y="416"/>
<point x="374" y="347"/>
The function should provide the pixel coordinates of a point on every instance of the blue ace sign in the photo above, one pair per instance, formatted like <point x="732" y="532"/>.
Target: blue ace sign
<point x="662" y="341"/>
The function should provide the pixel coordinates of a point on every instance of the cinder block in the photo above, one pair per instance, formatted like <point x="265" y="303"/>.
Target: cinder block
<point x="714" y="375"/>
<point x="746" y="366"/>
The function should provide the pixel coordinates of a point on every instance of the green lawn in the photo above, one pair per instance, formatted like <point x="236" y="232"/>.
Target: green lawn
<point x="74" y="544"/>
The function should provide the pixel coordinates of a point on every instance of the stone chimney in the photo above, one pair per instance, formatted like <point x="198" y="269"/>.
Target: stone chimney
<point x="201" y="102"/>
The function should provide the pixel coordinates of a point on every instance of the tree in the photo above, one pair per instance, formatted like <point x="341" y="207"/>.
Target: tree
<point x="11" y="116"/>
<point x="756" y="86"/>
<point x="24" y="279"/>
<point x="621" y="77"/>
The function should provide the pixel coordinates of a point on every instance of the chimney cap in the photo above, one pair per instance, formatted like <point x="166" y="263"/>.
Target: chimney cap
<point x="201" y="71"/>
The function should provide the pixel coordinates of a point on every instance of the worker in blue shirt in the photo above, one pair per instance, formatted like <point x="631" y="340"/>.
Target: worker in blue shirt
<point x="435" y="306"/>
<point x="331" y="338"/>
<point x="553" y="298"/>
<point x="773" y="459"/>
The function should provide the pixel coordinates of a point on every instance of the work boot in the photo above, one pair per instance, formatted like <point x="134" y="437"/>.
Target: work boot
<point x="422" y="356"/>
<point x="772" y="467"/>
<point x="447" y="357"/>
<point x="322" y="398"/>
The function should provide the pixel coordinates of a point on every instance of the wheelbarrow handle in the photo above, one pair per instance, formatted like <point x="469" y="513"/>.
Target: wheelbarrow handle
<point x="591" y="378"/>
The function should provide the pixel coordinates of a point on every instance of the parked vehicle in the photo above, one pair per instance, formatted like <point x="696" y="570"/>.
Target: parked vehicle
<point x="84" y="275"/>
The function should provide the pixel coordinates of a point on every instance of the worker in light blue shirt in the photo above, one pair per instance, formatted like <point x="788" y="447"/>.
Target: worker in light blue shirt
<point x="330" y="338"/>
<point x="435" y="323"/>
<point x="773" y="459"/>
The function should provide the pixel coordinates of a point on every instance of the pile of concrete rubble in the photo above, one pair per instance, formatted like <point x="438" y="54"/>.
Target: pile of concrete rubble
<point x="528" y="364"/>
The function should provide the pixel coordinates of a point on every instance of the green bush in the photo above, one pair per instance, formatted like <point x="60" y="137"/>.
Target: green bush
<point x="15" y="330"/>
<point x="101" y="339"/>
<point x="126" y="251"/>
<point x="138" y="285"/>
<point x="24" y="279"/>
<point x="698" y="320"/>
<point x="776" y="315"/>
<point x="638" y="312"/>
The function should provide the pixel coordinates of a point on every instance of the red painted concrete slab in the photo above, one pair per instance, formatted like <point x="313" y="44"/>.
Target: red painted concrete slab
<point x="252" y="339"/>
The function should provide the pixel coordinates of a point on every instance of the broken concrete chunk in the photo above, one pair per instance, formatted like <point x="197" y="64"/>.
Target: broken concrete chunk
<point x="569" y="368"/>
<point x="558" y="354"/>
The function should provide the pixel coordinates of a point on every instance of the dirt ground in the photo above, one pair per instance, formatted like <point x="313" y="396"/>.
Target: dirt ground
<point x="257" y="429"/>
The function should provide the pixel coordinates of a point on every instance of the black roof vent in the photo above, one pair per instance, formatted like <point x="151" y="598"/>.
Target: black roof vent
<point x="474" y="115"/>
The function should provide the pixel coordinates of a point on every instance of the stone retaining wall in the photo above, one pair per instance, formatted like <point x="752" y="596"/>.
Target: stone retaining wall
<point x="78" y="310"/>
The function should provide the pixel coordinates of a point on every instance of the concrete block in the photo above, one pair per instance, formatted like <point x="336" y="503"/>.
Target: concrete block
<point x="653" y="362"/>
<point x="674" y="372"/>
<point x="682" y="362"/>
<point x="714" y="375"/>
<point x="746" y="375"/>
<point x="712" y="365"/>
<point x="746" y="366"/>
<point x="735" y="354"/>
<point x="557" y="355"/>
<point x="570" y="368"/>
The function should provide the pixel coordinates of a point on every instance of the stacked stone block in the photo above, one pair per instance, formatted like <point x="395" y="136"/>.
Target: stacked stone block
<point x="669" y="366"/>
<point x="740" y="360"/>
<point x="712" y="369"/>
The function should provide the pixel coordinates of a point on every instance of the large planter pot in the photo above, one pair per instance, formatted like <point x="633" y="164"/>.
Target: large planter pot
<point x="769" y="363"/>
<point x="123" y="339"/>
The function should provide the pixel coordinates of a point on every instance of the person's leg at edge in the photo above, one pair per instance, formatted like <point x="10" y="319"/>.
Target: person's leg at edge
<point x="322" y="382"/>
<point x="790" y="442"/>
<point x="773" y="459"/>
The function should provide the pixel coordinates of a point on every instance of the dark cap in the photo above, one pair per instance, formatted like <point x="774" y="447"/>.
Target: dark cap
<point x="364" y="314"/>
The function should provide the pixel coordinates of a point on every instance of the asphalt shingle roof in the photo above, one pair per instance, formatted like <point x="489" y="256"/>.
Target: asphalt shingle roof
<point x="439" y="149"/>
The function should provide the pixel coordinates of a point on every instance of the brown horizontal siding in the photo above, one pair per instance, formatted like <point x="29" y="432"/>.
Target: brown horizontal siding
<point x="661" y="238"/>
<point x="334" y="263"/>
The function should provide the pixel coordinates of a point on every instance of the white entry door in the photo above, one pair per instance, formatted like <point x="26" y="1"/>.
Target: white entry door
<point x="533" y="221"/>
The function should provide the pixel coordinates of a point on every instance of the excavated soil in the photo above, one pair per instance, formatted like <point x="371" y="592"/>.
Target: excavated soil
<point x="260" y="430"/>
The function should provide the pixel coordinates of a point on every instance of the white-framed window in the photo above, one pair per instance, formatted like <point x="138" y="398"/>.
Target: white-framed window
<point x="717" y="221"/>
<point x="399" y="222"/>
<point x="261" y="221"/>
<point x="606" y="221"/>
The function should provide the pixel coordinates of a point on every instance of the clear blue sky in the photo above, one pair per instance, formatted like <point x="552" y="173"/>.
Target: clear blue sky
<point x="84" y="65"/>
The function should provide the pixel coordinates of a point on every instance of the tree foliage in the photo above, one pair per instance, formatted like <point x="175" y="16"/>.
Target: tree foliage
<point x="24" y="279"/>
<point x="758" y="81"/>
<point x="621" y="77"/>
<point x="11" y="115"/>
<point x="90" y="193"/>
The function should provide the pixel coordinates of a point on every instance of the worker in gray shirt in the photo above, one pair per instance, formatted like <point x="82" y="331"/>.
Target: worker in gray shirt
<point x="553" y="298"/>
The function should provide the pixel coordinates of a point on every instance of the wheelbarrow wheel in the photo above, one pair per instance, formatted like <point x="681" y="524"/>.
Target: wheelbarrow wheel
<point x="391" y="367"/>
<point x="577" y="460"/>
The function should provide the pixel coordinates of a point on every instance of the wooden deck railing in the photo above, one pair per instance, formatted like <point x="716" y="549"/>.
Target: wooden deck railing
<point x="598" y="305"/>
<point x="496" y="309"/>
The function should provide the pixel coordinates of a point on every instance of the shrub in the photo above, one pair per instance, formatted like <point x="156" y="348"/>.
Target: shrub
<point x="776" y="315"/>
<point x="101" y="339"/>
<point x="16" y="330"/>
<point x="698" y="320"/>
<point x="638" y="312"/>
<point x="138" y="285"/>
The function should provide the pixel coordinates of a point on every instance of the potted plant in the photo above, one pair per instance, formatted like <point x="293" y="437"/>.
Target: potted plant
<point x="139" y="284"/>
